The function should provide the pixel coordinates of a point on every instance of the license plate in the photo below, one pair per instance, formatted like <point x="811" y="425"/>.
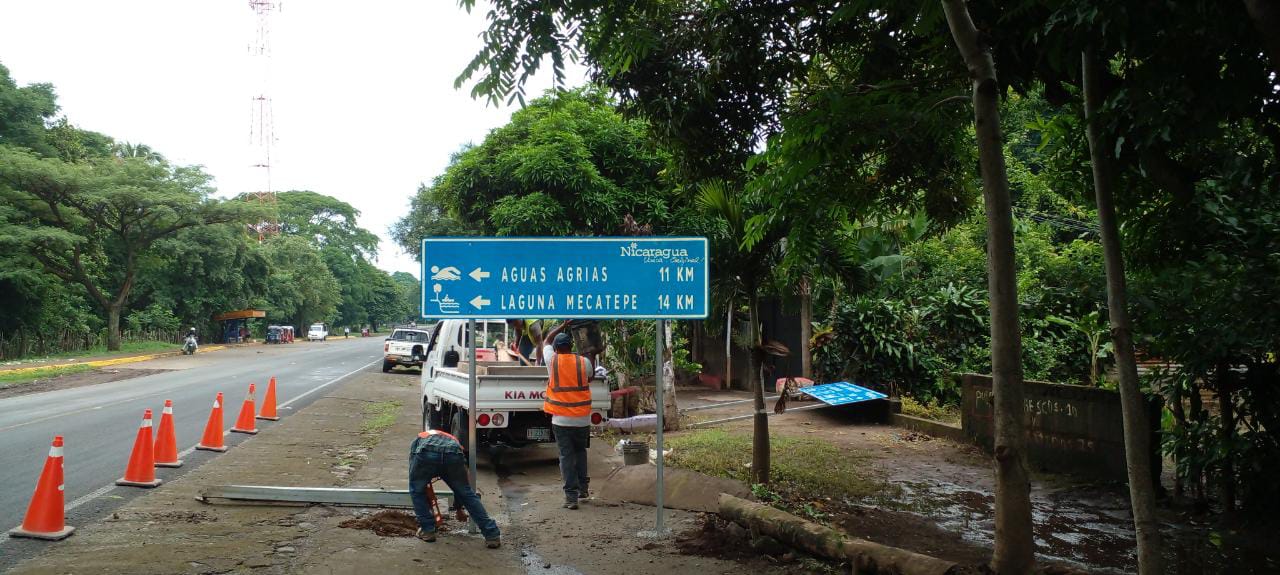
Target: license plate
<point x="538" y="434"/>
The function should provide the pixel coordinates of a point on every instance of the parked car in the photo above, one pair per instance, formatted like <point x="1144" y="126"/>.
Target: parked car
<point x="318" y="331"/>
<point x="405" y="346"/>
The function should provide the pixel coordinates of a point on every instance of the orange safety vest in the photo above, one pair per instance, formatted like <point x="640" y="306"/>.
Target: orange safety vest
<point x="569" y="388"/>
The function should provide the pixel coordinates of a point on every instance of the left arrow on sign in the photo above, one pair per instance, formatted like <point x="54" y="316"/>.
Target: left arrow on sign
<point x="478" y="274"/>
<point x="480" y="302"/>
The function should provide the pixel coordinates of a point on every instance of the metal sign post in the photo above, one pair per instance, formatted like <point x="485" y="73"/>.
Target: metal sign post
<point x="657" y="278"/>
<point x="659" y="530"/>
<point x="471" y="415"/>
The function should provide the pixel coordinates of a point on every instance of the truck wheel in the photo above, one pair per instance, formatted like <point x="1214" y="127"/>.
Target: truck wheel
<point x="431" y="417"/>
<point x="460" y="427"/>
<point x="386" y="366"/>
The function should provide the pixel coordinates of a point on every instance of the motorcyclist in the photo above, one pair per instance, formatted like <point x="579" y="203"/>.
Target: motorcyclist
<point x="191" y="341"/>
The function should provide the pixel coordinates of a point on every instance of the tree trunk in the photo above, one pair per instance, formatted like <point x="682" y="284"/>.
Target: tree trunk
<point x="1180" y="424"/>
<point x="806" y="328"/>
<point x="1014" y="543"/>
<point x="113" y="327"/>
<point x="865" y="556"/>
<point x="671" y="408"/>
<point x="1137" y="446"/>
<point x="728" y="348"/>
<point x="760" y="431"/>
<point x="1226" y="483"/>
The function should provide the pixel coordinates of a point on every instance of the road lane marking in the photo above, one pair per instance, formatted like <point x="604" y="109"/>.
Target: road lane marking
<point x="105" y="489"/>
<point x="146" y="394"/>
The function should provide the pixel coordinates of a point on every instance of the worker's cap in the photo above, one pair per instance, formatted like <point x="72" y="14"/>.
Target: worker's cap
<point x="563" y="340"/>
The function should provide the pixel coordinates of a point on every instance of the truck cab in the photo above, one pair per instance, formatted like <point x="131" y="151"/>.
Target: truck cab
<point x="509" y="395"/>
<point x="318" y="331"/>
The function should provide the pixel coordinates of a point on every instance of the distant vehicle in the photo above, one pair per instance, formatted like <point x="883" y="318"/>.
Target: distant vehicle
<point x="318" y="331"/>
<point x="275" y="334"/>
<point x="405" y="346"/>
<point x="287" y="335"/>
<point x="189" y="345"/>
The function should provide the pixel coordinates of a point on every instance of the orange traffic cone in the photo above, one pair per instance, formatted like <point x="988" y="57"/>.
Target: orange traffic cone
<point x="141" y="471"/>
<point x="245" y="423"/>
<point x="45" y="516"/>
<point x="212" y="440"/>
<point x="166" y="441"/>
<point x="269" y="402"/>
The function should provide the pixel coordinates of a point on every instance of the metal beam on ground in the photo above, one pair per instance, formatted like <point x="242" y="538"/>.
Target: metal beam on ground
<point x="398" y="498"/>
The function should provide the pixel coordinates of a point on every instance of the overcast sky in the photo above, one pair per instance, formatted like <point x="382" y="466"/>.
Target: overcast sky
<point x="362" y="92"/>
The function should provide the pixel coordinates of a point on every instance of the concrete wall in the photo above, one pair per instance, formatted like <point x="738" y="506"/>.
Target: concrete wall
<point x="1070" y="428"/>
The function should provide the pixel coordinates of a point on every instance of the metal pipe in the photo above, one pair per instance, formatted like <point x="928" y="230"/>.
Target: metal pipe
<point x="659" y="529"/>
<point x="722" y="404"/>
<point x="749" y="416"/>
<point x="398" y="498"/>
<point x="472" y="441"/>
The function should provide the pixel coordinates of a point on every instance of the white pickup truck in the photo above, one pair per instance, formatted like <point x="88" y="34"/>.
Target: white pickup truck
<point x="509" y="396"/>
<point x="406" y="346"/>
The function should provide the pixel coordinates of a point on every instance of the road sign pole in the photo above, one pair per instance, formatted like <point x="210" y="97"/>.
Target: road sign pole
<point x="472" y="443"/>
<point x="659" y="530"/>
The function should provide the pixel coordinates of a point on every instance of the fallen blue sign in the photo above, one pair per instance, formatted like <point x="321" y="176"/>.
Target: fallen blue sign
<point x="841" y="393"/>
<point x="600" y="278"/>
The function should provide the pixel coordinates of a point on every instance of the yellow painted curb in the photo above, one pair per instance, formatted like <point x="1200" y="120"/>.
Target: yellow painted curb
<point x="113" y="361"/>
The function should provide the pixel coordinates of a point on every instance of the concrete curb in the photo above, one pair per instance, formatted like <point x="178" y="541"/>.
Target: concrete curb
<point x="112" y="361"/>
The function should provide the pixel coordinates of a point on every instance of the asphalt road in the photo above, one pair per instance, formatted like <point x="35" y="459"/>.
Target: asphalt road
<point x="99" y="422"/>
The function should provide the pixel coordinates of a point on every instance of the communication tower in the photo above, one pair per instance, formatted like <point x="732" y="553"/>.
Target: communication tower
<point x="261" y="131"/>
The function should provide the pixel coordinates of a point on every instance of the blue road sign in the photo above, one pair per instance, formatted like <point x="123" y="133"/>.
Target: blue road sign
<point x="841" y="392"/>
<point x="601" y="278"/>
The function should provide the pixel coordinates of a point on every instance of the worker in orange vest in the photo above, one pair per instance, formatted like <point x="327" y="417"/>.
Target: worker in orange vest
<point x="568" y="401"/>
<point x="437" y="454"/>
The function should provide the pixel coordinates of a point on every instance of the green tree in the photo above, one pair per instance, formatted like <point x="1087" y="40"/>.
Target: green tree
<point x="566" y="164"/>
<point x="94" y="223"/>
<point x="410" y="290"/>
<point x="326" y="222"/>
<point x="203" y="271"/>
<point x="302" y="289"/>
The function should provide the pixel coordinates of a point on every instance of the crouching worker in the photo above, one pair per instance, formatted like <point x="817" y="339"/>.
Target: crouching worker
<point x="438" y="454"/>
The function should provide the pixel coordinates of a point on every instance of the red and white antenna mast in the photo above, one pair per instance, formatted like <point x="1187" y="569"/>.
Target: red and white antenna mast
<point x="261" y="131"/>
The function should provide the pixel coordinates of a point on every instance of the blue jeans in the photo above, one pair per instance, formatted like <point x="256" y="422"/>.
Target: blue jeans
<point x="425" y="466"/>
<point x="573" y="443"/>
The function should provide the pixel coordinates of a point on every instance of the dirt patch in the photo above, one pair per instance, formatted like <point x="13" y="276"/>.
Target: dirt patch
<point x="909" y="531"/>
<point x="71" y="380"/>
<point x="727" y="541"/>
<point x="386" y="523"/>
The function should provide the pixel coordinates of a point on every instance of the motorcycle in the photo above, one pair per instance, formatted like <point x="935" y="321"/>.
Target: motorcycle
<point x="189" y="346"/>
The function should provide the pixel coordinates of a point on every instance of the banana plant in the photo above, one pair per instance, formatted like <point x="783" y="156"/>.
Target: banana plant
<point x="1093" y="326"/>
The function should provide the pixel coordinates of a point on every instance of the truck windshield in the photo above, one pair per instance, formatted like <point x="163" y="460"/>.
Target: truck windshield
<point x="317" y="327"/>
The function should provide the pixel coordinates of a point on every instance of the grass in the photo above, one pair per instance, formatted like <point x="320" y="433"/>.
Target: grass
<point x="24" y="377"/>
<point x="128" y="347"/>
<point x="941" y="413"/>
<point x="379" y="417"/>
<point x="800" y="468"/>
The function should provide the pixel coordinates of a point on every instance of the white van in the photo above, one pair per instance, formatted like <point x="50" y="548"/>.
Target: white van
<point x="318" y="331"/>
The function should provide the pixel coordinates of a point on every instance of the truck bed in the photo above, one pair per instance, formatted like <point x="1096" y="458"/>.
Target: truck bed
<point x="505" y="386"/>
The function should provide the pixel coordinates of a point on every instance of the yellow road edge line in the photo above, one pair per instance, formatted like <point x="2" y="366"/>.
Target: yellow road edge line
<point x="110" y="362"/>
